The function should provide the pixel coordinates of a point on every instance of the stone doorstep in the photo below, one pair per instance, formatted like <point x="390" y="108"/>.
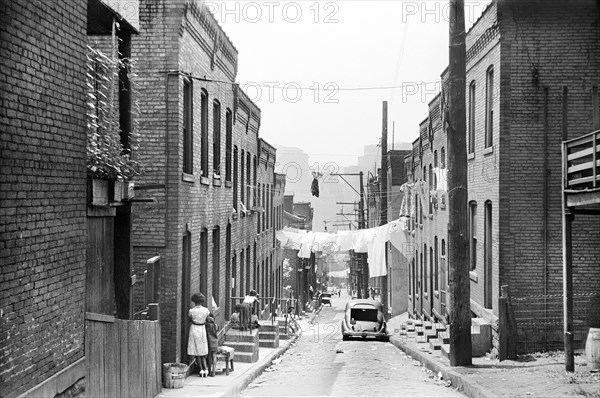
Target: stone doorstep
<point x="269" y="344"/>
<point x="435" y="344"/>
<point x="446" y="350"/>
<point x="242" y="347"/>
<point x="431" y="336"/>
<point x="246" y="357"/>
<point x="236" y="335"/>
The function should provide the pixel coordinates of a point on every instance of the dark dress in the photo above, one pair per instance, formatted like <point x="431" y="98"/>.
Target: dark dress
<point x="212" y="335"/>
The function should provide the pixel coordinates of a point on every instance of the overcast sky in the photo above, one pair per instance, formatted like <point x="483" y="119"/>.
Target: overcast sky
<point x="350" y="44"/>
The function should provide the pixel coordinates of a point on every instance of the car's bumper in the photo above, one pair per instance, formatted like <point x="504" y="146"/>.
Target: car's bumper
<point x="349" y="332"/>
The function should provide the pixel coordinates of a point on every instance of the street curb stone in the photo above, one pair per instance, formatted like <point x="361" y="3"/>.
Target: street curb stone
<point x="463" y="383"/>
<point x="251" y="375"/>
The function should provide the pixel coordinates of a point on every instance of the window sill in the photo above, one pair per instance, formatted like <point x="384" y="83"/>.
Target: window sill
<point x="187" y="177"/>
<point x="473" y="276"/>
<point x="488" y="150"/>
<point x="228" y="184"/>
<point x="216" y="182"/>
<point x="471" y="156"/>
<point x="204" y="181"/>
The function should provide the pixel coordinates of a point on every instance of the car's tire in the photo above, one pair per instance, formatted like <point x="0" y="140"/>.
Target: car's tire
<point x="345" y="338"/>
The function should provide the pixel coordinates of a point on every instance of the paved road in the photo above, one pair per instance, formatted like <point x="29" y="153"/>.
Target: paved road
<point x="314" y="366"/>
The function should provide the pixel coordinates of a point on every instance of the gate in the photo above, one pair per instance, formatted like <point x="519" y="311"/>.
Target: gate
<point x="123" y="357"/>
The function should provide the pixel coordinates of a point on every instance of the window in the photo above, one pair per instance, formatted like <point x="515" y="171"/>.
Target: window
<point x="204" y="134"/>
<point x="216" y="138"/>
<point x="188" y="124"/>
<point x="489" y="110"/>
<point x="242" y="175"/>
<point x="471" y="125"/>
<point x="254" y="183"/>
<point x="421" y="273"/>
<point x="264" y="201"/>
<point x="437" y="265"/>
<point x="216" y="263"/>
<point x="424" y="254"/>
<point x="235" y="178"/>
<point x="430" y="177"/>
<point x="443" y="158"/>
<point x="431" y="274"/>
<point x="473" y="234"/>
<point x="435" y="159"/>
<point x="228" y="143"/>
<point x="248" y="180"/>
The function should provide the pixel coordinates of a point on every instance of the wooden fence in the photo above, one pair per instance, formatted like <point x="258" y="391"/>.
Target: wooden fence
<point x="123" y="357"/>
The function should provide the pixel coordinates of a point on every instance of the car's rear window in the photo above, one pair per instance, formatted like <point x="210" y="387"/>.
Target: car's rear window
<point x="364" y="314"/>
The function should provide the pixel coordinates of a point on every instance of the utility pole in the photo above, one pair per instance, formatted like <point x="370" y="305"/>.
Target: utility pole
<point x="384" y="202"/>
<point x="362" y="225"/>
<point x="459" y="300"/>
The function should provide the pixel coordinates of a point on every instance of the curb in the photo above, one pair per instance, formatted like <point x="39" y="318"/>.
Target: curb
<point x="463" y="383"/>
<point x="252" y="374"/>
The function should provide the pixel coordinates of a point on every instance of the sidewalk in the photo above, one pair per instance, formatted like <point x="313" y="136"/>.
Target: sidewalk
<point x="532" y="375"/>
<point x="232" y="385"/>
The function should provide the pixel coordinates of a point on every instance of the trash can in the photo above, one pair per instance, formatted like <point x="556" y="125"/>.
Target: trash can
<point x="174" y="374"/>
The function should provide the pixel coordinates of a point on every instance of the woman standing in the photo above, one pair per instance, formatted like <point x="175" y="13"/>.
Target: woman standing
<point x="198" y="341"/>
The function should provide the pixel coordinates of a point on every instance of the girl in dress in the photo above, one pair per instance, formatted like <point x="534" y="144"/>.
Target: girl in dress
<point x="198" y="341"/>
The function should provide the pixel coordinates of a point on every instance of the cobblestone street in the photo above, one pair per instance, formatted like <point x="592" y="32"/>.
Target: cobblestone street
<point x="321" y="364"/>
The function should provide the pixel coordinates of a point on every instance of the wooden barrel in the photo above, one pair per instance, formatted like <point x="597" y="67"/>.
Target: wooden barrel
<point x="174" y="374"/>
<point x="592" y="349"/>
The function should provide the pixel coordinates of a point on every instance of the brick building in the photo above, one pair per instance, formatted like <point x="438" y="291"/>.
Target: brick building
<point x="397" y="264"/>
<point x="48" y="220"/>
<point x="531" y="82"/>
<point x="209" y="173"/>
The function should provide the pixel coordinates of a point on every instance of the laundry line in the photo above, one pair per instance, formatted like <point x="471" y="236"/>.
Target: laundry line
<point x="371" y="241"/>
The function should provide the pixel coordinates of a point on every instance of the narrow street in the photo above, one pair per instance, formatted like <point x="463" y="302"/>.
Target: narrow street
<point x="321" y="364"/>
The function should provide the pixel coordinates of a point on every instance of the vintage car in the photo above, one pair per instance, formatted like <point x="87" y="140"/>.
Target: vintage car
<point x="325" y="298"/>
<point x="364" y="318"/>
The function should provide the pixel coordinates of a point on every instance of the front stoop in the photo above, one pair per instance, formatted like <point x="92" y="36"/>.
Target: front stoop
<point x="269" y="334"/>
<point x="245" y="344"/>
<point x="283" y="335"/>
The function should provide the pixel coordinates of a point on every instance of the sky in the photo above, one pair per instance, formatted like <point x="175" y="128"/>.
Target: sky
<point x="352" y="51"/>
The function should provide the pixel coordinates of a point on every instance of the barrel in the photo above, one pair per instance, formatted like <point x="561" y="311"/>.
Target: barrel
<point x="592" y="349"/>
<point x="174" y="374"/>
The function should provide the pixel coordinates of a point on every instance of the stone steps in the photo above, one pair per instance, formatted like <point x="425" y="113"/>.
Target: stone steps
<point x="268" y="335"/>
<point x="245" y="344"/>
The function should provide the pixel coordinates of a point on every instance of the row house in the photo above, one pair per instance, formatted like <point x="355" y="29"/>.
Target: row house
<point x="209" y="175"/>
<point x="428" y="273"/>
<point x="531" y="83"/>
<point x="397" y="264"/>
<point x="65" y="249"/>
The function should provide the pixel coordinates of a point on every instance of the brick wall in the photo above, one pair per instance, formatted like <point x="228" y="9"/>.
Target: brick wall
<point x="191" y="202"/>
<point x="560" y="42"/>
<point x="42" y="190"/>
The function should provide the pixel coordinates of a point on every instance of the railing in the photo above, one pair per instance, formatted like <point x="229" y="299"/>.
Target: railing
<point x="581" y="162"/>
<point x="151" y="288"/>
<point x="270" y="307"/>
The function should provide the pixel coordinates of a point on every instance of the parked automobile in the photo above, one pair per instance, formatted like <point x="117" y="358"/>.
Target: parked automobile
<point x="326" y="298"/>
<point x="364" y="318"/>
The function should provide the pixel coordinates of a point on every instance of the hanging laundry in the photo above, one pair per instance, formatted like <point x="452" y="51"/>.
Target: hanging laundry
<point x="314" y="188"/>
